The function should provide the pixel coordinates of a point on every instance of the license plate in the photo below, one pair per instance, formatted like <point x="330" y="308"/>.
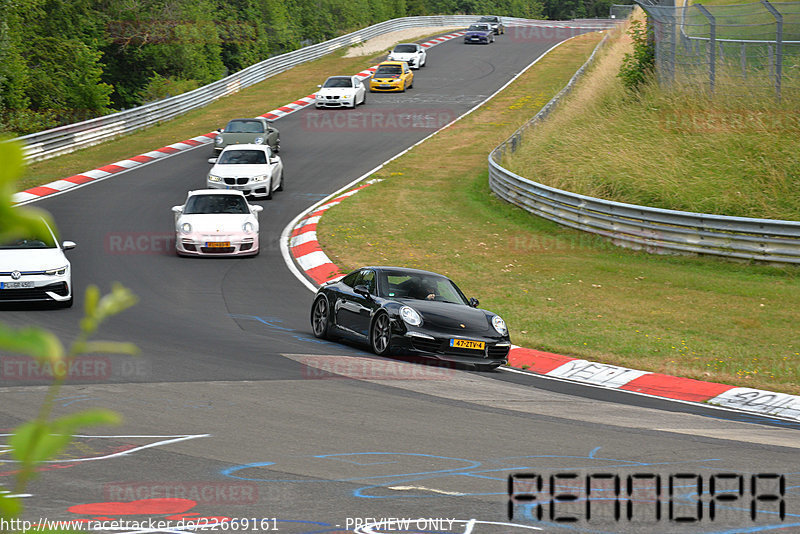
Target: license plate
<point x="386" y="86"/>
<point x="218" y="244"/>
<point x="16" y="285"/>
<point x="467" y="344"/>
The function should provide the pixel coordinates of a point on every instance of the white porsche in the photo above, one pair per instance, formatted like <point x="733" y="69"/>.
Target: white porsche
<point x="216" y="223"/>
<point x="252" y="169"/>
<point x="340" y="92"/>
<point x="412" y="53"/>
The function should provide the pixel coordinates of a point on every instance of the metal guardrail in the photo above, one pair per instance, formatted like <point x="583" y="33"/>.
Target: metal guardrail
<point x="655" y="230"/>
<point x="70" y="137"/>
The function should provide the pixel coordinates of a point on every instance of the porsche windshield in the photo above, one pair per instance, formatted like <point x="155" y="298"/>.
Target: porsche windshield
<point x="243" y="157"/>
<point x="239" y="126"/>
<point x="215" y="204"/>
<point x="419" y="286"/>
<point x="338" y="82"/>
<point x="388" y="71"/>
<point x="405" y="49"/>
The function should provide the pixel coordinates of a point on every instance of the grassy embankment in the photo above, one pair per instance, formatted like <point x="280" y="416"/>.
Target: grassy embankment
<point x="570" y="293"/>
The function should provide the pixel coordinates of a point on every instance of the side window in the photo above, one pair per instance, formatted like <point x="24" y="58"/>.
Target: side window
<point x="350" y="279"/>
<point x="368" y="279"/>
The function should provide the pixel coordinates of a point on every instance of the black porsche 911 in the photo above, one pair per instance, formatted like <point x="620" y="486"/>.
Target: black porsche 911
<point x="396" y="309"/>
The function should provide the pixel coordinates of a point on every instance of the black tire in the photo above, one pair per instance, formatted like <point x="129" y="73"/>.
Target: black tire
<point x="269" y="190"/>
<point x="277" y="147"/>
<point x="283" y="177"/>
<point x="319" y="318"/>
<point x="380" y="334"/>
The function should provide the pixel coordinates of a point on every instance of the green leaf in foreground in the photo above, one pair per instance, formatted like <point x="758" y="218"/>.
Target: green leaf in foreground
<point x="38" y="441"/>
<point x="31" y="341"/>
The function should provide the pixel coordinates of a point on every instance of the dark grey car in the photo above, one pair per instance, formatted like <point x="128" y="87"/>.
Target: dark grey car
<point x="257" y="131"/>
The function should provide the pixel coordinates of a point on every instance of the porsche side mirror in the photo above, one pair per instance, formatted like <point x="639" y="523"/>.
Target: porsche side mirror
<point x="274" y="160"/>
<point x="212" y="160"/>
<point x="68" y="245"/>
<point x="319" y="86"/>
<point x="474" y="302"/>
<point x="177" y="209"/>
<point x="362" y="290"/>
<point x="256" y="208"/>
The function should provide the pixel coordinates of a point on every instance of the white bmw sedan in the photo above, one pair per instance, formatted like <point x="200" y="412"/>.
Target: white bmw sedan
<point x="216" y="223"/>
<point x="340" y="92"/>
<point x="35" y="269"/>
<point x="252" y="169"/>
<point x="411" y="53"/>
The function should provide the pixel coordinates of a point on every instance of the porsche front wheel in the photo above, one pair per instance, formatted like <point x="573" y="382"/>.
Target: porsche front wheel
<point x="319" y="318"/>
<point x="380" y="335"/>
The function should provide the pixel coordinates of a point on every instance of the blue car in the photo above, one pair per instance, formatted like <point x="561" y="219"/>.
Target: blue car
<point x="479" y="33"/>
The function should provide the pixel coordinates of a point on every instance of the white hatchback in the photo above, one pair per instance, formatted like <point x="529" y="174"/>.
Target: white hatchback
<point x="412" y="53"/>
<point x="35" y="269"/>
<point x="252" y="169"/>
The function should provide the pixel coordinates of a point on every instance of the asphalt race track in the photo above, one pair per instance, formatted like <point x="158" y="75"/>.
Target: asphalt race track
<point x="235" y="410"/>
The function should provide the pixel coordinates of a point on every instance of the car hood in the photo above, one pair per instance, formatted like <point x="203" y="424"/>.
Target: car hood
<point x="477" y="34"/>
<point x="32" y="259"/>
<point x="216" y="223"/>
<point x="450" y="316"/>
<point x="237" y="170"/>
<point x="336" y="91"/>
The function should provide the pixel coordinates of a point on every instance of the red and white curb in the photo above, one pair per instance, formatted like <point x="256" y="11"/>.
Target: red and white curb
<point x="59" y="186"/>
<point x="307" y="252"/>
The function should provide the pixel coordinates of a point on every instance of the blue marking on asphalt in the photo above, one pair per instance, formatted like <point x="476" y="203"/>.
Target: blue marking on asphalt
<point x="272" y="323"/>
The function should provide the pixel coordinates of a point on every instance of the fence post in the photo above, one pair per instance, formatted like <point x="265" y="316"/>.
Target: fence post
<point x="778" y="46"/>
<point x="712" y="45"/>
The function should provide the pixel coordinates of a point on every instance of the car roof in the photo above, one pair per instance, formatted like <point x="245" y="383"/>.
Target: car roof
<point x="248" y="119"/>
<point x="402" y="44"/>
<point x="221" y="192"/>
<point x="392" y="63"/>
<point x="246" y="146"/>
<point x="398" y="268"/>
<point x="339" y="76"/>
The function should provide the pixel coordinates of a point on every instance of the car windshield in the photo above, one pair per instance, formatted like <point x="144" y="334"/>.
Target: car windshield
<point x="419" y="286"/>
<point x="405" y="49"/>
<point x="478" y="28"/>
<point x="239" y="126"/>
<point x="488" y="19"/>
<point x="388" y="71"/>
<point x="243" y="157"/>
<point x="25" y="243"/>
<point x="338" y="82"/>
<point x="212" y="204"/>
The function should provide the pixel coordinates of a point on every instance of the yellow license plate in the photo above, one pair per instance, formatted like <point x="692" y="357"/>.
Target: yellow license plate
<point x="467" y="344"/>
<point x="218" y="244"/>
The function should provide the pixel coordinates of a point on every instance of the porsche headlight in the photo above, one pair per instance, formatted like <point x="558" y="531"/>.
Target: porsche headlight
<point x="212" y="178"/>
<point x="185" y="228"/>
<point x="248" y="227"/>
<point x="500" y="325"/>
<point x="259" y="140"/>
<point x="60" y="271"/>
<point x="410" y="316"/>
<point x="218" y="140"/>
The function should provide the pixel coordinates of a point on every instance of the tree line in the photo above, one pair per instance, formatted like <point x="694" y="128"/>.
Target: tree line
<point x="63" y="61"/>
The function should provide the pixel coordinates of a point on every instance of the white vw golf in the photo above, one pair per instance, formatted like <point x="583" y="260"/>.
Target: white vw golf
<point x="218" y="223"/>
<point x="35" y="269"/>
<point x="252" y="169"/>
<point x="340" y="92"/>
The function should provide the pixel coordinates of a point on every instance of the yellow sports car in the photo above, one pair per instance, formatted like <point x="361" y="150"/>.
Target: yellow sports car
<point x="392" y="76"/>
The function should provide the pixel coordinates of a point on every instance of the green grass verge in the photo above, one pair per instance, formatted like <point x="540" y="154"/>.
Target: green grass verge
<point x="561" y="290"/>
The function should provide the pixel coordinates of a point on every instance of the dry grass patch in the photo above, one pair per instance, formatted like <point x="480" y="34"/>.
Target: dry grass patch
<point x="562" y="290"/>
